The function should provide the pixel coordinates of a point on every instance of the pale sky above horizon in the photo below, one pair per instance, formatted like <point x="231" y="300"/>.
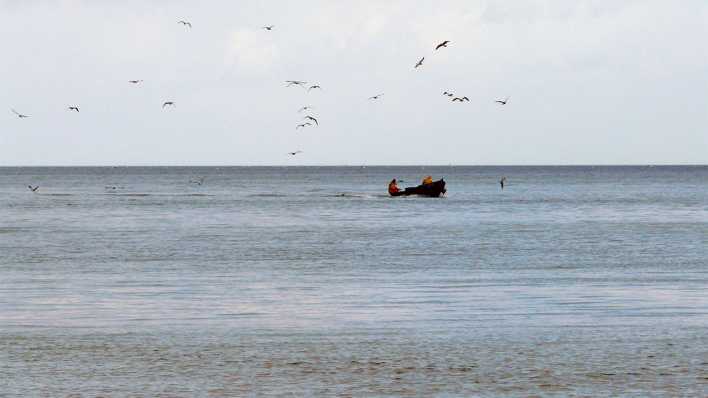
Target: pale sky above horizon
<point x="591" y="82"/>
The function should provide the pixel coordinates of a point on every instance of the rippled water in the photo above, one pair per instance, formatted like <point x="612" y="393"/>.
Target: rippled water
<point x="587" y="281"/>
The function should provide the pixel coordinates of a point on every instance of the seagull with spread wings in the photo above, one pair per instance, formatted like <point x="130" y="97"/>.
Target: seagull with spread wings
<point x="74" y="108"/>
<point x="269" y="27"/>
<point x="186" y="24"/>
<point x="375" y="97"/>
<point x="420" y="63"/>
<point x="308" y="117"/>
<point x="502" y="102"/>
<point x="20" y="115"/>
<point x="443" y="44"/>
<point x="294" y="153"/>
<point x="168" y="103"/>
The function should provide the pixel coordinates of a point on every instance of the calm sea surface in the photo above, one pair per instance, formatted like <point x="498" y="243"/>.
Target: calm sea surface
<point x="311" y="281"/>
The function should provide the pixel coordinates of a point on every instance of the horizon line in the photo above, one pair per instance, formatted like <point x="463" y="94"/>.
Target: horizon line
<point x="367" y="165"/>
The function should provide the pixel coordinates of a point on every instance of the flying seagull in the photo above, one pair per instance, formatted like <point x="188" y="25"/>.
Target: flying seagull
<point x="294" y="153"/>
<point x="20" y="115"/>
<point x="135" y="81"/>
<point x="170" y="103"/>
<point x="74" y="108"/>
<point x="502" y="181"/>
<point x="198" y="181"/>
<point x="315" y="86"/>
<point x="33" y="189"/>
<point x="303" y="125"/>
<point x="308" y="117"/>
<point x="503" y="102"/>
<point x="186" y="23"/>
<point x="448" y="94"/>
<point x="443" y="44"/>
<point x="375" y="97"/>
<point x="295" y="83"/>
<point x="269" y="27"/>
<point x="304" y="108"/>
<point x="420" y="63"/>
<point x="460" y="99"/>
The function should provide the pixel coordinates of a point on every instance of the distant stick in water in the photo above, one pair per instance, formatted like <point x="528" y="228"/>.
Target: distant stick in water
<point x="502" y="181"/>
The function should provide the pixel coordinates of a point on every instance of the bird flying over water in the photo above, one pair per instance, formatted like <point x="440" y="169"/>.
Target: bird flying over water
<point x="315" y="86"/>
<point x="198" y="181"/>
<point x="503" y="102"/>
<point x="443" y="44"/>
<point x="375" y="97"/>
<point x="166" y="103"/>
<point x="20" y="115"/>
<point x="308" y="117"/>
<point x="74" y="108"/>
<point x="303" y="125"/>
<point x="304" y="108"/>
<point x="420" y="63"/>
<point x="461" y="99"/>
<point x="186" y="23"/>
<point x="135" y="81"/>
<point x="33" y="189"/>
<point x="294" y="153"/>
<point x="502" y="181"/>
<point x="269" y="27"/>
<point x="448" y="94"/>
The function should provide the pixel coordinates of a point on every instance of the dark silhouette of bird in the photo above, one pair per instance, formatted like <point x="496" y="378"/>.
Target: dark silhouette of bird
<point x="503" y="102"/>
<point x="33" y="189"/>
<point x="20" y="115"/>
<point x="315" y="86"/>
<point x="135" y="81"/>
<point x="448" y="94"/>
<point x="375" y="97"/>
<point x="461" y="99"/>
<point x="198" y="181"/>
<point x="420" y="63"/>
<point x="186" y="23"/>
<point x="443" y="44"/>
<point x="74" y="108"/>
<point x="294" y="153"/>
<point x="304" y="108"/>
<point x="308" y="117"/>
<point x="166" y="103"/>
<point x="269" y="27"/>
<point x="303" y="125"/>
<point x="502" y="181"/>
<point x="295" y="83"/>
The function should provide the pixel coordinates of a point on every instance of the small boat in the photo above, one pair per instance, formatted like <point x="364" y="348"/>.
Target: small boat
<point x="433" y="190"/>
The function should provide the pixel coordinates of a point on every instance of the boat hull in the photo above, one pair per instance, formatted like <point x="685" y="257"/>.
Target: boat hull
<point x="433" y="190"/>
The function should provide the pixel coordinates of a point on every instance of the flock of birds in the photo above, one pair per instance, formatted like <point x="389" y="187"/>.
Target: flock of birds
<point x="308" y="119"/>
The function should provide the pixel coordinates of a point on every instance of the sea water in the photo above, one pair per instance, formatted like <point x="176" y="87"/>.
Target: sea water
<point x="311" y="281"/>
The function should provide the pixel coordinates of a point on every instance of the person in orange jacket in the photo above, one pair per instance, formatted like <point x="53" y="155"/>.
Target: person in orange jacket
<point x="393" y="187"/>
<point x="428" y="180"/>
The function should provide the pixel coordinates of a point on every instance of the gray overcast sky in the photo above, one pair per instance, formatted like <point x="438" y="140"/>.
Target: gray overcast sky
<point x="591" y="82"/>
